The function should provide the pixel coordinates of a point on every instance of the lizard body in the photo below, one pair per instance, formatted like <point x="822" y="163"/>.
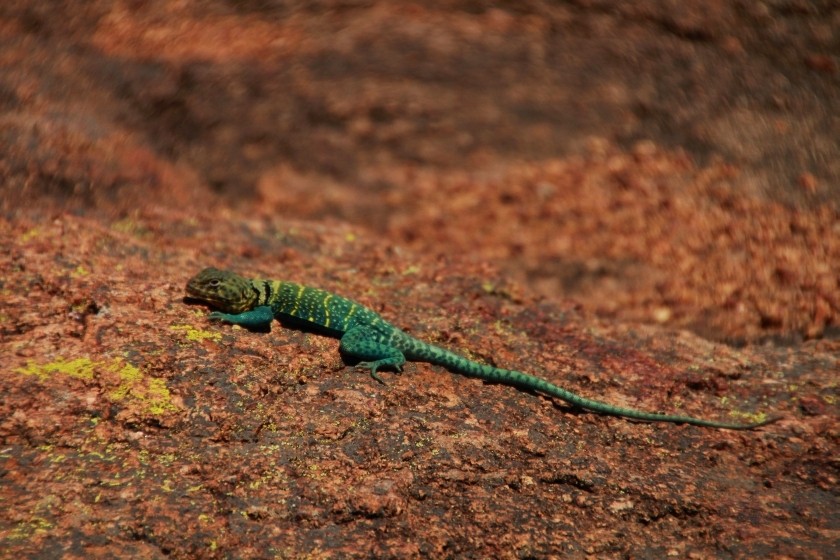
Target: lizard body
<point x="254" y="303"/>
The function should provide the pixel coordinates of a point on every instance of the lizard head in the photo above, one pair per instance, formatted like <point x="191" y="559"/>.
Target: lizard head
<point x="223" y="290"/>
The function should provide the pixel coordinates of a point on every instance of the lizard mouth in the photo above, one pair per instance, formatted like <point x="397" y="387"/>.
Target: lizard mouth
<point x="200" y="299"/>
<point x="197" y="300"/>
<point x="219" y="302"/>
<point x="197" y="295"/>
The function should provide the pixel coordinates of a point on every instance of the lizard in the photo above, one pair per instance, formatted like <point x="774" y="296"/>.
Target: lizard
<point x="364" y="335"/>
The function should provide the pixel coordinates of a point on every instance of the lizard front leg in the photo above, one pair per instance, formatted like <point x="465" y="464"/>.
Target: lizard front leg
<point x="258" y="318"/>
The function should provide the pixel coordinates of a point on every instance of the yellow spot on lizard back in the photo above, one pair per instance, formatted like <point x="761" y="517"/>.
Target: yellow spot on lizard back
<point x="353" y="309"/>
<point x="301" y="288"/>
<point x="327" y="310"/>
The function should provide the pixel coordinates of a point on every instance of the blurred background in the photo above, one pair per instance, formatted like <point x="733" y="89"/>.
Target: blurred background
<point x="657" y="161"/>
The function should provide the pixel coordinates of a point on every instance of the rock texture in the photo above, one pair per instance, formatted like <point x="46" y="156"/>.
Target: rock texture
<point x="637" y="201"/>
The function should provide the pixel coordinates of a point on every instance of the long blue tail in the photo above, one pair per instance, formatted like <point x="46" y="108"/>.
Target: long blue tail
<point x="421" y="351"/>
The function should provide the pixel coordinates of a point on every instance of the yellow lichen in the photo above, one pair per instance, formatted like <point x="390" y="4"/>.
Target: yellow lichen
<point x="750" y="417"/>
<point x="27" y="529"/>
<point x="150" y="393"/>
<point x="167" y="459"/>
<point x="79" y="271"/>
<point x="130" y="227"/>
<point x="196" y="335"/>
<point x="153" y="393"/>
<point x="80" y="368"/>
<point x="31" y="234"/>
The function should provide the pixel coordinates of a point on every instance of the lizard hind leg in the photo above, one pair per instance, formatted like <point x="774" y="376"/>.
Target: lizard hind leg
<point x="368" y="345"/>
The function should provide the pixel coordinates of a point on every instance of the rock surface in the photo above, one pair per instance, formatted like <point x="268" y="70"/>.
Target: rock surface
<point x="637" y="201"/>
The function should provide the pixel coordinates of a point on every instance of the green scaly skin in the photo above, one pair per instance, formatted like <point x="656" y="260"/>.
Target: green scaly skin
<point x="254" y="303"/>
